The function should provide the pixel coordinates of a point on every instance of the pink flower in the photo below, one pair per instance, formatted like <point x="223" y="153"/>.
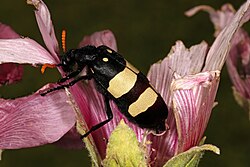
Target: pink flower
<point x="187" y="79"/>
<point x="238" y="62"/>
<point x="33" y="120"/>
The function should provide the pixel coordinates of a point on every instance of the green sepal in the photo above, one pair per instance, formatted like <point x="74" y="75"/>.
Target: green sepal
<point x="191" y="157"/>
<point x="81" y="129"/>
<point x="123" y="148"/>
<point x="89" y="144"/>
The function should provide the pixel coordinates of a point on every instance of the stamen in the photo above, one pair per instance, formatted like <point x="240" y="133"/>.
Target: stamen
<point x="47" y="65"/>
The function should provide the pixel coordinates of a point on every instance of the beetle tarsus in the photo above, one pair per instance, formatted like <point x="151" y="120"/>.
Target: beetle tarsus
<point x="85" y="77"/>
<point x="109" y="115"/>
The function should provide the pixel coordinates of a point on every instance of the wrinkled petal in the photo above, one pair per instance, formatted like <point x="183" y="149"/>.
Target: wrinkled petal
<point x="182" y="61"/>
<point x="240" y="46"/>
<point x="242" y="86"/>
<point x="71" y="140"/>
<point x="220" y="18"/>
<point x="23" y="51"/>
<point x="10" y="73"/>
<point x="161" y="71"/>
<point x="34" y="120"/>
<point x="193" y="98"/>
<point x="105" y="37"/>
<point x="46" y="27"/>
<point x="238" y="62"/>
<point x="6" y="32"/>
<point x="218" y="53"/>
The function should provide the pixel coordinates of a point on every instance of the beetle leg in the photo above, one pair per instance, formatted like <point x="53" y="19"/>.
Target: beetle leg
<point x="109" y="115"/>
<point x="69" y="76"/>
<point x="85" y="77"/>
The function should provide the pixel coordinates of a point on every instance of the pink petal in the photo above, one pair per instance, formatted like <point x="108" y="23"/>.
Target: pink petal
<point x="10" y="73"/>
<point x="6" y="32"/>
<point x="196" y="99"/>
<point x="193" y="98"/>
<point x="105" y="37"/>
<point x="182" y="61"/>
<point x="92" y="107"/>
<point x="218" y="53"/>
<point x="34" y="120"/>
<point x="240" y="46"/>
<point x="238" y="59"/>
<point x="46" y="27"/>
<point x="23" y="50"/>
<point x="71" y="140"/>
<point x="240" y="83"/>
<point x="220" y="18"/>
<point x="238" y="63"/>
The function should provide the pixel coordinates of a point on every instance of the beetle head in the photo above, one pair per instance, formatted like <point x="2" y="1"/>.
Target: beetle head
<point x="78" y="58"/>
<point x="67" y="61"/>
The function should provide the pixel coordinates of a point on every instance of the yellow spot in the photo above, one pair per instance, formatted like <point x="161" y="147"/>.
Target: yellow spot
<point x="92" y="70"/>
<point x="122" y="83"/>
<point x="105" y="59"/>
<point x="145" y="100"/>
<point x="130" y="66"/>
<point x="108" y="50"/>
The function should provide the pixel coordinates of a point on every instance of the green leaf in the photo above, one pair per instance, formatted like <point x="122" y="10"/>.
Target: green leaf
<point x="191" y="157"/>
<point x="123" y="148"/>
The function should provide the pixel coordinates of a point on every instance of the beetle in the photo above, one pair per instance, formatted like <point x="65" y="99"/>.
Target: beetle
<point x="116" y="79"/>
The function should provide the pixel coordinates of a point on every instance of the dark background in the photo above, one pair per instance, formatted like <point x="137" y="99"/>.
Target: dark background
<point x="145" y="31"/>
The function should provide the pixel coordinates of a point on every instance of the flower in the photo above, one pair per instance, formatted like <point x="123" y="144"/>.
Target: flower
<point x="239" y="56"/>
<point x="187" y="79"/>
<point x="33" y="120"/>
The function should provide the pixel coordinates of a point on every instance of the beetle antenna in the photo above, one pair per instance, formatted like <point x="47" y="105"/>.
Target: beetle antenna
<point x="64" y="40"/>
<point x="64" y="50"/>
<point x="47" y="65"/>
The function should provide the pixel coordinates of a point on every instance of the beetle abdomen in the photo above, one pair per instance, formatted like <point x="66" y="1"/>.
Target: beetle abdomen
<point x="135" y="97"/>
<point x="143" y="105"/>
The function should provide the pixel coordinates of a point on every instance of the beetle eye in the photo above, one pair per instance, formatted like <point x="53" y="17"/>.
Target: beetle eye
<point x="68" y="59"/>
<point x="105" y="59"/>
